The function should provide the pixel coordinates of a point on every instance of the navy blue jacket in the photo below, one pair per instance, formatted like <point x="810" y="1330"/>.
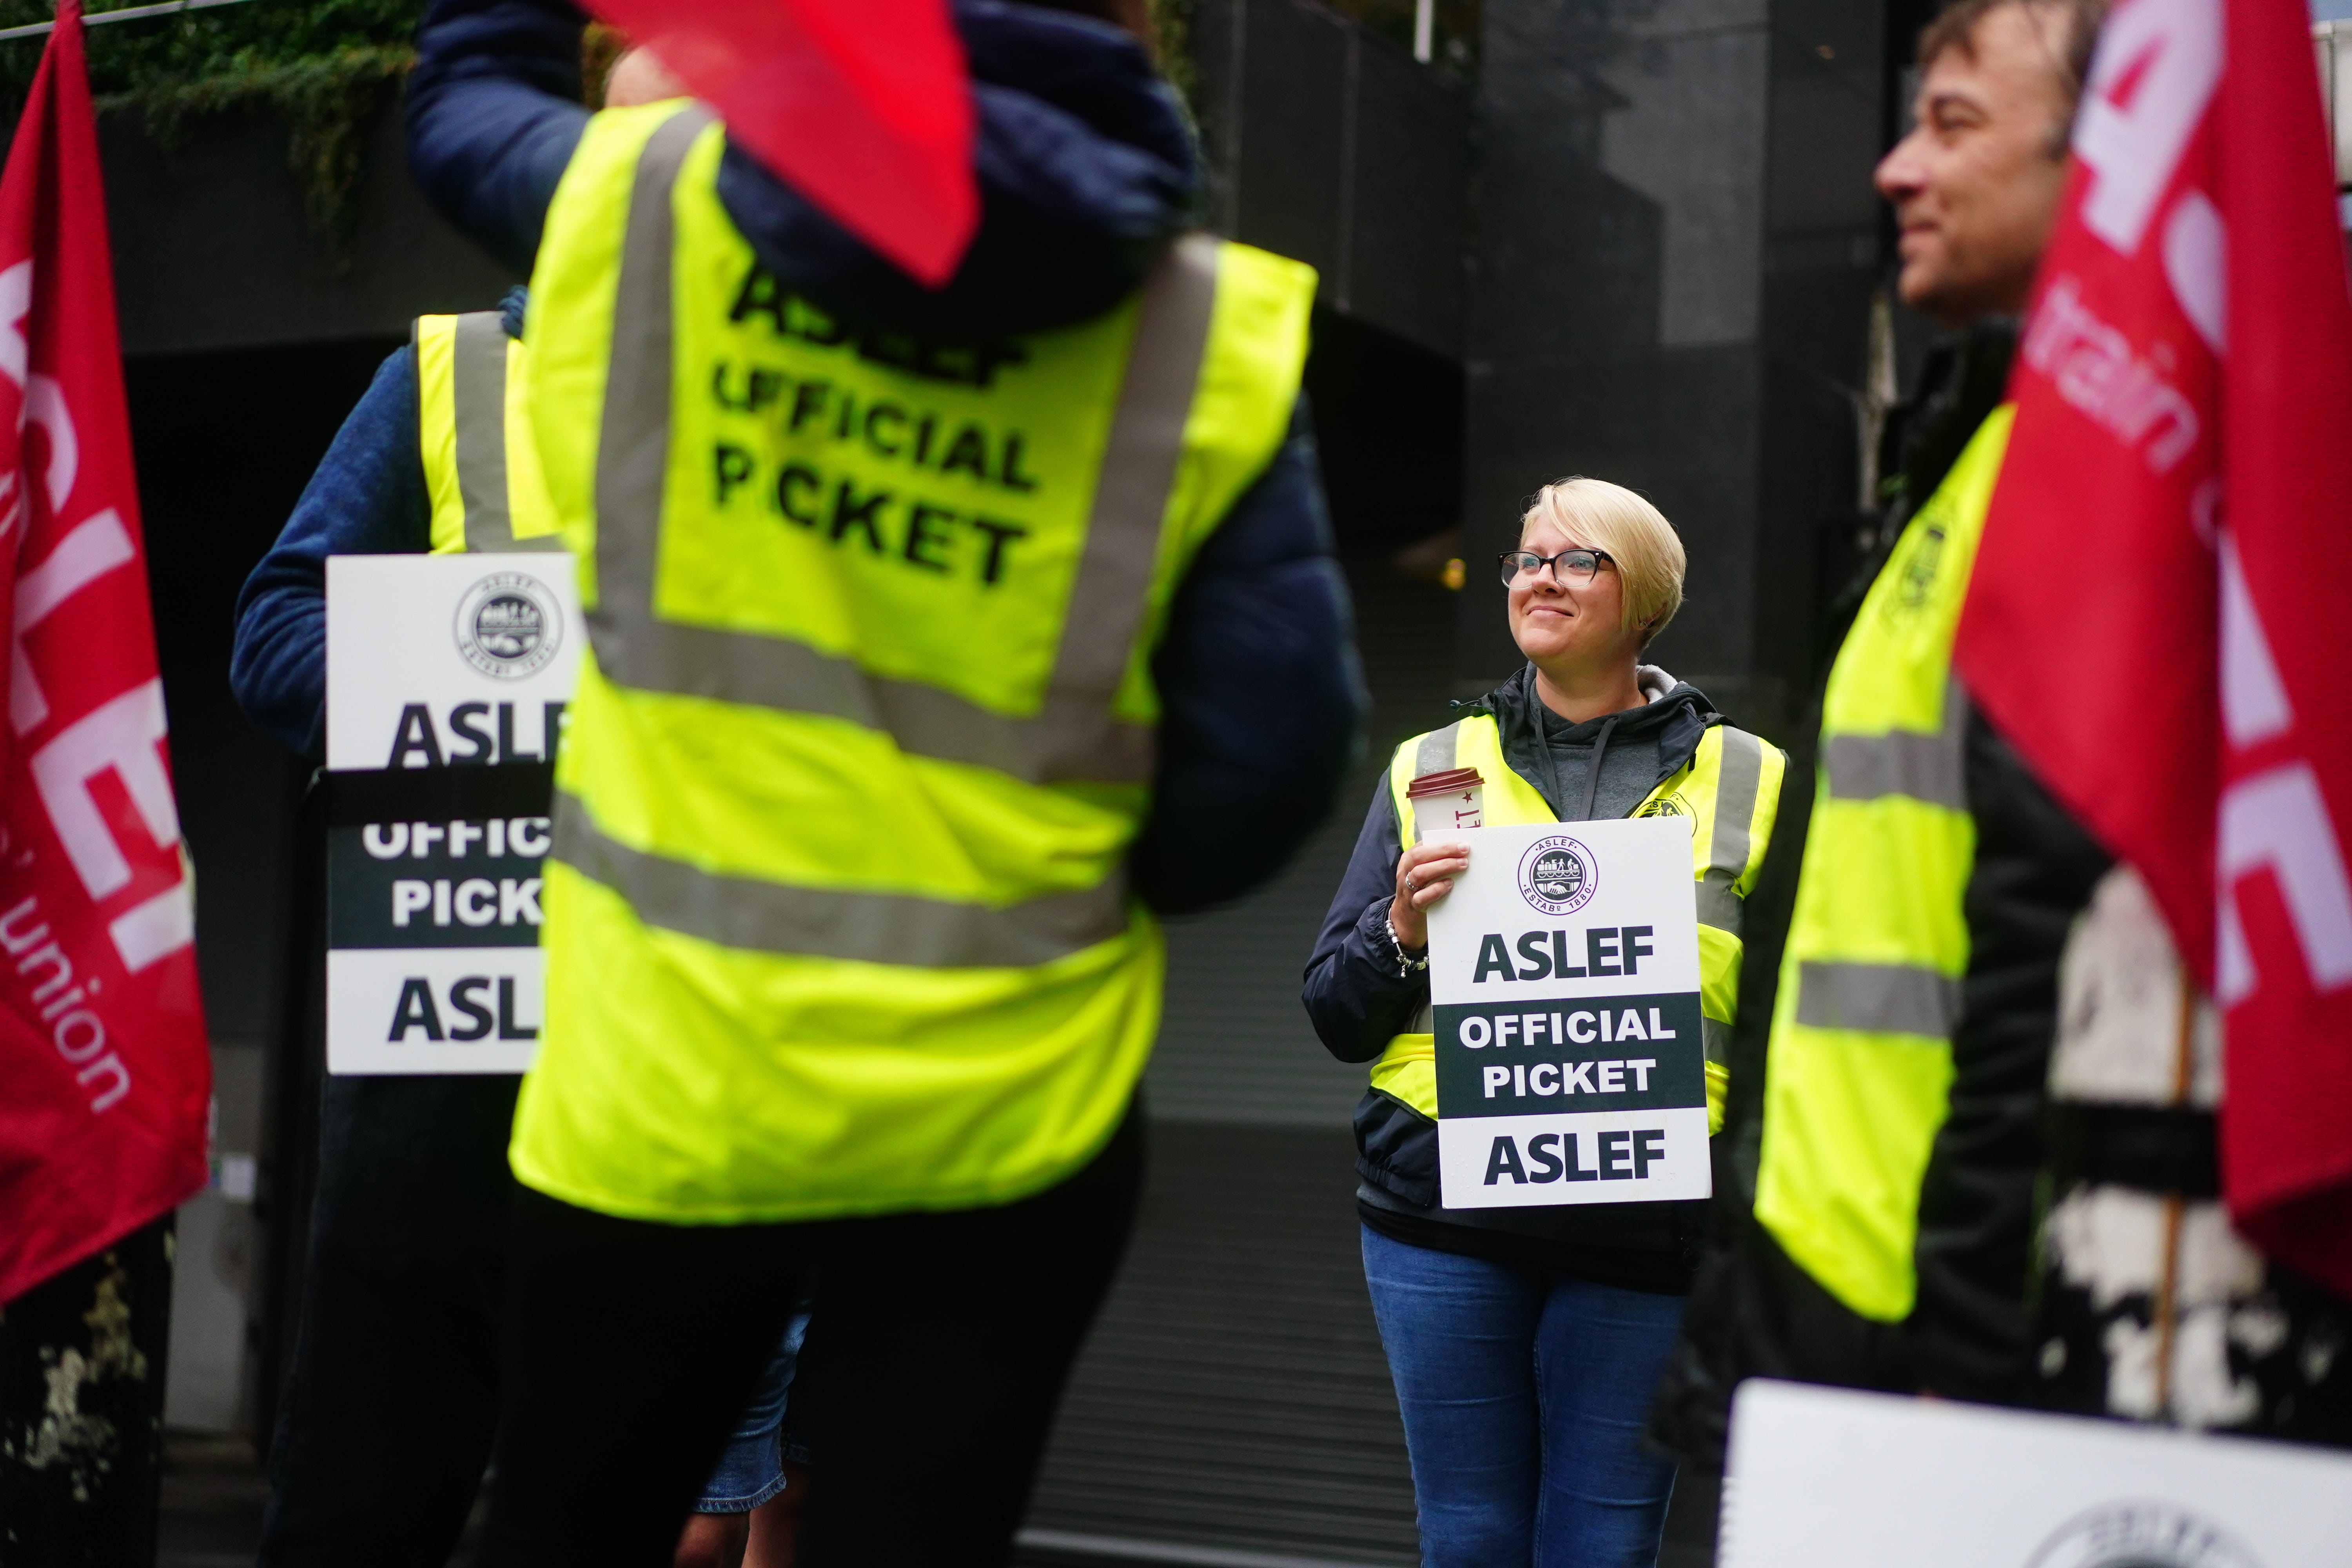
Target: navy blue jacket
<point x="367" y="497"/>
<point x="1087" y="171"/>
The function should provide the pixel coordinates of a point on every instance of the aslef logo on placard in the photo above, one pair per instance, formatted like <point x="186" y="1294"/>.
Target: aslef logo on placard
<point x="2139" y="1534"/>
<point x="1557" y="874"/>
<point x="510" y="625"/>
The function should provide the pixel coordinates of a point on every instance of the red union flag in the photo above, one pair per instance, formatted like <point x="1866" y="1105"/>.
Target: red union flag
<point x="861" y="104"/>
<point x="104" y="1077"/>
<point x="2157" y="621"/>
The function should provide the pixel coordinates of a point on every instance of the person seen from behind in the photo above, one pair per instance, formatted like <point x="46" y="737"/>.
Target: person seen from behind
<point x="1525" y="1343"/>
<point x="385" y="1423"/>
<point x="938" y="638"/>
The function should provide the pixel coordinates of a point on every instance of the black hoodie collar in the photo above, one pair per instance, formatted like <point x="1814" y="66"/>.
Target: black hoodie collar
<point x="1677" y="721"/>
<point x="1960" y="384"/>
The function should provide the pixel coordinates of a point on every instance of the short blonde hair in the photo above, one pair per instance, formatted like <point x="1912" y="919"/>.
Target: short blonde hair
<point x="1636" y="536"/>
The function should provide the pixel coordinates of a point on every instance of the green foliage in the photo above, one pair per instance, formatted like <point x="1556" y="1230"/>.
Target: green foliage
<point x="326" y="101"/>
<point x="128" y="57"/>
<point x="1171" y="25"/>
<point x="325" y="65"/>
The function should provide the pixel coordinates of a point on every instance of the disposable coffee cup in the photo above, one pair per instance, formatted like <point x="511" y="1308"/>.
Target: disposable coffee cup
<point x="1446" y="803"/>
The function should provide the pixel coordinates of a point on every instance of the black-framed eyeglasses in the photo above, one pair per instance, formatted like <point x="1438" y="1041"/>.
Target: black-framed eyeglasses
<point x="1576" y="565"/>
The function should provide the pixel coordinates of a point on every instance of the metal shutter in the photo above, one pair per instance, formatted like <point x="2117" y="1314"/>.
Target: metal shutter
<point x="1234" y="1398"/>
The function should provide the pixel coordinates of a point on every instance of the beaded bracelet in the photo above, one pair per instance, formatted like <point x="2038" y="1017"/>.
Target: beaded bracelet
<point x="1406" y="966"/>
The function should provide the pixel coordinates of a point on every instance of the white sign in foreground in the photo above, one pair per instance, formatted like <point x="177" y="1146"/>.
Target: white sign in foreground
<point x="446" y="681"/>
<point x="1563" y="984"/>
<point x="1826" y="1477"/>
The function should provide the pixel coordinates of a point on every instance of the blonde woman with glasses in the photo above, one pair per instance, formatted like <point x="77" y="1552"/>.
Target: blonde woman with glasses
<point x="1525" y="1343"/>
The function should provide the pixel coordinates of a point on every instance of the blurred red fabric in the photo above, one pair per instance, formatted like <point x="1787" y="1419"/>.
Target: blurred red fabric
<point x="105" y="1077"/>
<point x="2155" y="618"/>
<point x="861" y="105"/>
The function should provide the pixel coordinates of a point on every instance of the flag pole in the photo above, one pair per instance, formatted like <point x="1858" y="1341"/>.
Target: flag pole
<point x="127" y="13"/>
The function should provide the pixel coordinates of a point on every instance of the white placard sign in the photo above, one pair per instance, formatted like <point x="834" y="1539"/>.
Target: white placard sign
<point x="446" y="681"/>
<point x="1828" y="1477"/>
<point x="1563" y="981"/>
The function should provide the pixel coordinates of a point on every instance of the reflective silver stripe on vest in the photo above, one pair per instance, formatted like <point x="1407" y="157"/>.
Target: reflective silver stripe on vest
<point x="745" y="912"/>
<point x="1877" y="999"/>
<point x="1074" y="735"/>
<point x="1930" y="768"/>
<point x="1738" y="781"/>
<point x="1436" y="751"/>
<point x="478" y="394"/>
<point x="1717" y="1037"/>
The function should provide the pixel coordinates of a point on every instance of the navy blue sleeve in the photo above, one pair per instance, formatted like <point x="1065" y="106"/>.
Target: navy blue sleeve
<point x="367" y="497"/>
<point x="1086" y="171"/>
<point x="1085" y="167"/>
<point x="1261" y="698"/>
<point x="494" y="112"/>
<point x="1354" y="996"/>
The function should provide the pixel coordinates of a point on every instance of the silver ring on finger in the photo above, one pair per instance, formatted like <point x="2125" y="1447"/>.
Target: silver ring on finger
<point x="1411" y="886"/>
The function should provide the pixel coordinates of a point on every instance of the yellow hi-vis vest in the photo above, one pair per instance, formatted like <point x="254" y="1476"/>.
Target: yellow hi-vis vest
<point x="481" y="466"/>
<point x="1860" y="1050"/>
<point x="1730" y="789"/>
<point x="836" y="917"/>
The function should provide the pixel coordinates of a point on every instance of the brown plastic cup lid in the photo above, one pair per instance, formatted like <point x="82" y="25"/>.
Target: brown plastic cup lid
<point x="1445" y="783"/>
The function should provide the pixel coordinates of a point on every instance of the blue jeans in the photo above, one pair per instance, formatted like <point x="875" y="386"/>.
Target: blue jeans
<point x="751" y="1470"/>
<point x="1524" y="1395"/>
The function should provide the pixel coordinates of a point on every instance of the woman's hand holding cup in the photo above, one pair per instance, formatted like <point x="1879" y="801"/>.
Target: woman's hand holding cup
<point x="1426" y="874"/>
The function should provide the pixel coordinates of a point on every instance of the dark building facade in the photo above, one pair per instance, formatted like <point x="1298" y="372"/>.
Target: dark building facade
<point x="1672" y="264"/>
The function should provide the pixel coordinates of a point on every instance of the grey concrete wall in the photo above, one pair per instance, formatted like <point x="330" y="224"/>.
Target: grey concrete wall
<point x="208" y="1383"/>
<point x="213" y="249"/>
<point x="1332" y="145"/>
<point x="1690" y="134"/>
<point x="1329" y="143"/>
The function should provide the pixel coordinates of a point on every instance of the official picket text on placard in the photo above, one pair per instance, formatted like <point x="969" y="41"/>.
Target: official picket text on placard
<point x="1564" y="989"/>
<point x="447" y="676"/>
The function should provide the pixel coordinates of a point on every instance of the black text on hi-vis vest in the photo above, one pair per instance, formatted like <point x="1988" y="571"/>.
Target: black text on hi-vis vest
<point x="446" y="681"/>
<point x="1564" y="984"/>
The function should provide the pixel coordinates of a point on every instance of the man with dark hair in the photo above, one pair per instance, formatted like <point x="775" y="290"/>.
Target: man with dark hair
<point x="1976" y="182"/>
<point x="2067" y="29"/>
<point x="1878" y="1206"/>
<point x="1953" y="1184"/>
